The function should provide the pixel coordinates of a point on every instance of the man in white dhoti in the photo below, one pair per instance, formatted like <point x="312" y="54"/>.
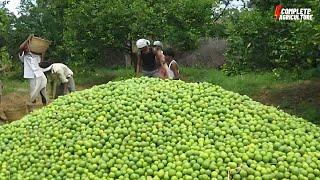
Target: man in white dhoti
<point x="35" y="75"/>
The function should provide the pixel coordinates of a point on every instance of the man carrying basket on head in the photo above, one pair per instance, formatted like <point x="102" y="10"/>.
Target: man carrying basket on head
<point x="33" y="72"/>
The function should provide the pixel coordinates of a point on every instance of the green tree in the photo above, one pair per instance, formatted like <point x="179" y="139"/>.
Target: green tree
<point x="82" y="30"/>
<point x="5" y="25"/>
<point x="93" y="26"/>
<point x="258" y="42"/>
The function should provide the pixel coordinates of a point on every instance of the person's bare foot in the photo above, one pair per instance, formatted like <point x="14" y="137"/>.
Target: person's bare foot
<point x="29" y="103"/>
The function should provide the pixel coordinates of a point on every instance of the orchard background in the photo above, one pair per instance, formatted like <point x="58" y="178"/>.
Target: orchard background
<point x="275" y="62"/>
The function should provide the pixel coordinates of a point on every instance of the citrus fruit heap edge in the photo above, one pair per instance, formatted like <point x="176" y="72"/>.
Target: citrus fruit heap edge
<point x="147" y="128"/>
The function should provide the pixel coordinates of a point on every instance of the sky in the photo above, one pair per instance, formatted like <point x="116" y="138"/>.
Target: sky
<point x="235" y="4"/>
<point x="13" y="5"/>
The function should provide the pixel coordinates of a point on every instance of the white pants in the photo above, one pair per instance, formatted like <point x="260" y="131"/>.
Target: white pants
<point x="71" y="84"/>
<point x="127" y="58"/>
<point x="57" y="88"/>
<point x="38" y="85"/>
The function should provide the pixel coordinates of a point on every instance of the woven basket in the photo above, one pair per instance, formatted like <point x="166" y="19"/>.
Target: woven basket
<point x="16" y="113"/>
<point x="33" y="107"/>
<point x="36" y="44"/>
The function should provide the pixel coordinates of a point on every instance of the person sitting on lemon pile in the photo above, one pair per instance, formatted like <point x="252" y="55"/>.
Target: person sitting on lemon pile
<point x="157" y="45"/>
<point x="163" y="69"/>
<point x="33" y="72"/>
<point x="151" y="60"/>
<point x="174" y="72"/>
<point x="61" y="79"/>
<point x="146" y="62"/>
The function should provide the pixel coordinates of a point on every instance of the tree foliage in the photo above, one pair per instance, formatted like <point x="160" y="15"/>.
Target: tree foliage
<point x="5" y="26"/>
<point x="258" y="42"/>
<point x="82" y="30"/>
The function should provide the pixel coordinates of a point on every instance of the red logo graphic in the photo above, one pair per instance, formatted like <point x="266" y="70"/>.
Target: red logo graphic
<point x="277" y="12"/>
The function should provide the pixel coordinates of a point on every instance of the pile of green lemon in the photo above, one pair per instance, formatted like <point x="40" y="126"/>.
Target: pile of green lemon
<point x="145" y="128"/>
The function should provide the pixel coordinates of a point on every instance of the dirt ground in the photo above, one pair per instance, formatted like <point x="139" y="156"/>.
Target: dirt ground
<point x="305" y="91"/>
<point x="294" y="98"/>
<point x="18" y="100"/>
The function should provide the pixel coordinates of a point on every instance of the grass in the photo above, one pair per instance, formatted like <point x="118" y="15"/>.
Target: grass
<point x="102" y="76"/>
<point x="244" y="84"/>
<point x="13" y="82"/>
<point x="86" y="79"/>
<point x="308" y="111"/>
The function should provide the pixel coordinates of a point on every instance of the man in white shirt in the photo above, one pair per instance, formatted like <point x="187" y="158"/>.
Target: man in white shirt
<point x="62" y="77"/>
<point x="35" y="75"/>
